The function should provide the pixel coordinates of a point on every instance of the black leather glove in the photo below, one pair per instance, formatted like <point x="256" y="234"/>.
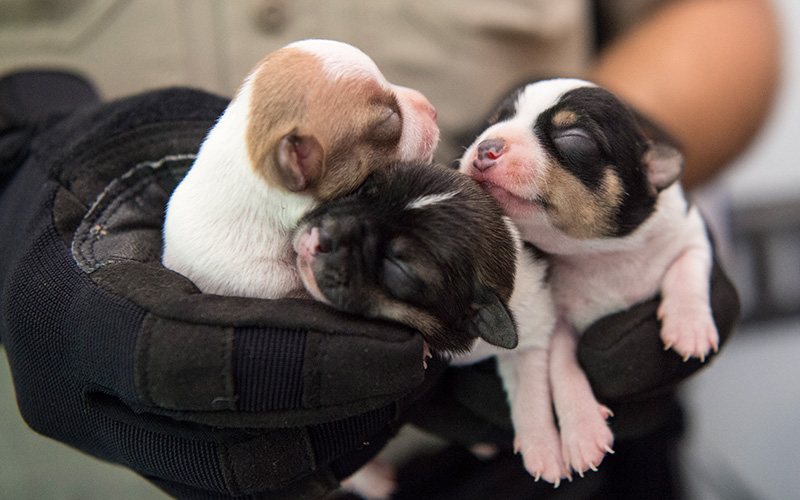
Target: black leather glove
<point x="206" y="396"/>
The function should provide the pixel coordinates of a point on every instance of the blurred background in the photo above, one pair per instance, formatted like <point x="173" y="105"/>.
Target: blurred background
<point x="742" y="441"/>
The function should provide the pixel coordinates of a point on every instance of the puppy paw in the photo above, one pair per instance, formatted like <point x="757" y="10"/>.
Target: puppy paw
<point x="376" y="480"/>
<point x="689" y="331"/>
<point x="541" y="454"/>
<point x="586" y="438"/>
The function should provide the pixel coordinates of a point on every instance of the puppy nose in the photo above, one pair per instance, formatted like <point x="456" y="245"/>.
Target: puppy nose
<point x="488" y="153"/>
<point x="419" y="102"/>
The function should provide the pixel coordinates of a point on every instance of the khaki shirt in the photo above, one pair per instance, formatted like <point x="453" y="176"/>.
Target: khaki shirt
<point x="464" y="55"/>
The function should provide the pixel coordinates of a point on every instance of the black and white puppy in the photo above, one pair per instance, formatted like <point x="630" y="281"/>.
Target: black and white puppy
<point x="419" y="244"/>
<point x="570" y="165"/>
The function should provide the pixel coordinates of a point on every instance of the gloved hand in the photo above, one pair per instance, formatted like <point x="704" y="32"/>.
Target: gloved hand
<point x="206" y="396"/>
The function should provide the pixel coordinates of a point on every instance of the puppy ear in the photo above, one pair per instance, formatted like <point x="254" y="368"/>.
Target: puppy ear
<point x="300" y="159"/>
<point x="493" y="322"/>
<point x="664" y="165"/>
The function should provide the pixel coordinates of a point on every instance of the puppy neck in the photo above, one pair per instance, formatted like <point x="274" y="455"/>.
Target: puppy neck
<point x="670" y="210"/>
<point x="224" y="162"/>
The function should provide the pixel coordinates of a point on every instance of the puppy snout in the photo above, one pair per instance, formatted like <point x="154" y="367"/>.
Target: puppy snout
<point x="432" y="112"/>
<point x="418" y="101"/>
<point x="424" y="107"/>
<point x="488" y="153"/>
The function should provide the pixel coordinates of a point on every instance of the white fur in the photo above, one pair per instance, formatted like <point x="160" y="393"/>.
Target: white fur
<point x="226" y="228"/>
<point x="340" y="60"/>
<point x="430" y="200"/>
<point x="524" y="370"/>
<point x="548" y="92"/>
<point x="586" y="289"/>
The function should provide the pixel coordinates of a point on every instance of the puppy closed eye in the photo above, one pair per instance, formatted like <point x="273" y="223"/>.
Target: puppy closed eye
<point x="403" y="276"/>
<point x="399" y="280"/>
<point x="578" y="147"/>
<point x="387" y="128"/>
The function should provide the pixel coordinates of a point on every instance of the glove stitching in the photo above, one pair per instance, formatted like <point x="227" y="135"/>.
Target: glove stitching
<point x="142" y="360"/>
<point x="119" y="147"/>
<point x="104" y="209"/>
<point x="315" y="375"/>
<point x="228" y="472"/>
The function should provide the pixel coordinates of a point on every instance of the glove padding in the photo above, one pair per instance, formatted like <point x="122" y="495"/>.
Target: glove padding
<point x="207" y="396"/>
<point x="623" y="357"/>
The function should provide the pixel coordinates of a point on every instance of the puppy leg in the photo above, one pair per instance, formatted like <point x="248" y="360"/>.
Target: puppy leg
<point x="525" y="376"/>
<point x="585" y="436"/>
<point x="687" y="324"/>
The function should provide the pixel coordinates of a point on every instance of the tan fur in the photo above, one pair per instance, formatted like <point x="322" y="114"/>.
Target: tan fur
<point x="276" y="109"/>
<point x="409" y="315"/>
<point x="564" y="119"/>
<point x="578" y="211"/>
<point x="345" y="109"/>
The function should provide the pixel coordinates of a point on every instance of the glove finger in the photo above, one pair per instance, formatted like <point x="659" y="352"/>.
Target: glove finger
<point x="624" y="357"/>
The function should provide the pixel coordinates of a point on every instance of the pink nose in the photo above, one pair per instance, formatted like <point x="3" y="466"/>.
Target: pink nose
<point x="488" y="153"/>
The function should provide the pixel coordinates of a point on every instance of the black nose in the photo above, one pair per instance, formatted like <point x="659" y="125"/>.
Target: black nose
<point x="488" y="153"/>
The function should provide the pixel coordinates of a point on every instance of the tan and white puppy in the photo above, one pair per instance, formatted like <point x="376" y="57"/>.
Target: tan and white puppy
<point x="571" y="166"/>
<point x="310" y="122"/>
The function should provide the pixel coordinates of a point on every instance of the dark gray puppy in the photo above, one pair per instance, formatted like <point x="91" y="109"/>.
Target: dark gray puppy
<point x="420" y="244"/>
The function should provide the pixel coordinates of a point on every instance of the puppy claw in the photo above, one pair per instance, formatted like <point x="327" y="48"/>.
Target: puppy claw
<point x="426" y="354"/>
<point x="688" y="330"/>
<point x="609" y="450"/>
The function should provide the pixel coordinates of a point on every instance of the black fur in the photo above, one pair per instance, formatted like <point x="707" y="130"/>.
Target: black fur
<point x="613" y="140"/>
<point x="449" y="264"/>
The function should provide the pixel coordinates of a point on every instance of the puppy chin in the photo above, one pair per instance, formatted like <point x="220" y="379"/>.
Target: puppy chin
<point x="513" y="205"/>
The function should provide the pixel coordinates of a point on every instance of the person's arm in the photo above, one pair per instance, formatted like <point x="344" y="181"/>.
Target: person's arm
<point x="706" y="70"/>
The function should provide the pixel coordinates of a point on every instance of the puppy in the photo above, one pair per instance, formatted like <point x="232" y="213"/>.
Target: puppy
<point x="571" y="167"/>
<point x="309" y="123"/>
<point x="424" y="245"/>
<point x="419" y="244"/>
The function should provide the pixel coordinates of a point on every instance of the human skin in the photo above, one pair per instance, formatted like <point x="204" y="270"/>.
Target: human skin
<point x="705" y="70"/>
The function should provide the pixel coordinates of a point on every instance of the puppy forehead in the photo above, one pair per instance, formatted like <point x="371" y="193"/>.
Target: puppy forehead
<point x="339" y="59"/>
<point x="538" y="97"/>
